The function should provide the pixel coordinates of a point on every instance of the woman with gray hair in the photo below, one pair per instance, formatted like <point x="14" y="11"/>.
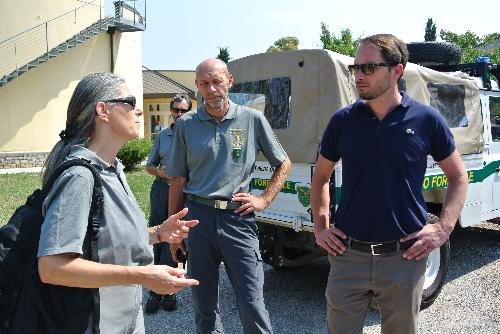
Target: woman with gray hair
<point x="101" y="117"/>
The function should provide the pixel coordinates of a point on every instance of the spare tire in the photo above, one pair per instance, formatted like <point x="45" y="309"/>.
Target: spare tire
<point x="434" y="53"/>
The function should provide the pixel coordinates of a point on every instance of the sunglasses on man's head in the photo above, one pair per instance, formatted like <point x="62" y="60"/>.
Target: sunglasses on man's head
<point x="130" y="100"/>
<point x="367" y="69"/>
<point x="176" y="110"/>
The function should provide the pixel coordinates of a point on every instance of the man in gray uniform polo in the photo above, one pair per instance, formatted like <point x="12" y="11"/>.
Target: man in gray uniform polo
<point x="158" y="197"/>
<point x="212" y="157"/>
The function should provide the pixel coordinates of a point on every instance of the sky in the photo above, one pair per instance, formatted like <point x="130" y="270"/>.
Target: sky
<point x="180" y="34"/>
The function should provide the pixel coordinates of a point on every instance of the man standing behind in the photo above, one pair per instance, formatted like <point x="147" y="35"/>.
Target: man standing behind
<point x="158" y="127"/>
<point x="212" y="157"/>
<point x="379" y="244"/>
<point x="156" y="166"/>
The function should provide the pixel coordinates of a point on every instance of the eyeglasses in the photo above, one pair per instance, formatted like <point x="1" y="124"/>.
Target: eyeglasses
<point x="130" y="100"/>
<point x="368" y="69"/>
<point x="176" y="110"/>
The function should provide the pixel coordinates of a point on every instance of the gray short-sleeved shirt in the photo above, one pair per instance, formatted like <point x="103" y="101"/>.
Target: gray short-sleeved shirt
<point x="161" y="148"/>
<point x="123" y="238"/>
<point x="206" y="151"/>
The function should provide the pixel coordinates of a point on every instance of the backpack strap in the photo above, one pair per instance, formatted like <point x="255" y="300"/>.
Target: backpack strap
<point x="97" y="200"/>
<point x="94" y="219"/>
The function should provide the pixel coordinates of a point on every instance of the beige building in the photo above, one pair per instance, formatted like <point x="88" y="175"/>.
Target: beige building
<point x="159" y="89"/>
<point x="45" y="50"/>
<point x="184" y="77"/>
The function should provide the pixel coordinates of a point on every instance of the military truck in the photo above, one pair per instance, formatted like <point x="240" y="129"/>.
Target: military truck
<point x="298" y="91"/>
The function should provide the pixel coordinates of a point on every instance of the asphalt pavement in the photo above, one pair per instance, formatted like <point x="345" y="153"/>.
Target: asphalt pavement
<point x="469" y="302"/>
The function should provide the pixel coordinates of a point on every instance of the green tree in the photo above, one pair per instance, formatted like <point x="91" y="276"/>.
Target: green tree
<point x="285" y="43"/>
<point x="345" y="44"/>
<point x="224" y="54"/>
<point x="490" y="38"/>
<point x="430" y="31"/>
<point x="473" y="45"/>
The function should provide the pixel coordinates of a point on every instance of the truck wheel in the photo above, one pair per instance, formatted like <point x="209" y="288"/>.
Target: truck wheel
<point x="434" y="53"/>
<point x="435" y="274"/>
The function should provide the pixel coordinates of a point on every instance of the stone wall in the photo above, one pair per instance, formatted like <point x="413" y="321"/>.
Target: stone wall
<point x="22" y="159"/>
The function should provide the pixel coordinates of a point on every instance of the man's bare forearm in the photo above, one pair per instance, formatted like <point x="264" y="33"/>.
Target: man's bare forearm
<point x="454" y="169"/>
<point x="320" y="193"/>
<point x="320" y="204"/>
<point x="152" y="170"/>
<point x="454" y="202"/>
<point x="277" y="180"/>
<point x="176" y="196"/>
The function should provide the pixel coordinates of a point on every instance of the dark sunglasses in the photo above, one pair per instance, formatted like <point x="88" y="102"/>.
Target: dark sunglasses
<point x="130" y="100"/>
<point x="179" y="110"/>
<point x="367" y="69"/>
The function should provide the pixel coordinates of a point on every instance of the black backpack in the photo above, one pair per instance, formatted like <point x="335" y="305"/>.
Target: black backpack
<point x="26" y="304"/>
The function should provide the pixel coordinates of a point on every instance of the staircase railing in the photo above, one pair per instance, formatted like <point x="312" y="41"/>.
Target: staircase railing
<point x="21" y="49"/>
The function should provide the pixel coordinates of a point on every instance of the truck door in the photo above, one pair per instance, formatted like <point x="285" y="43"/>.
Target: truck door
<point x="491" y="102"/>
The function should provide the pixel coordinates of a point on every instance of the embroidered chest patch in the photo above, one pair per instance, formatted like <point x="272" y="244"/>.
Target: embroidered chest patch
<point x="237" y="140"/>
<point x="237" y="137"/>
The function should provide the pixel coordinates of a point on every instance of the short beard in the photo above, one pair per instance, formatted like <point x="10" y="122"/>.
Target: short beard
<point x="218" y="105"/>
<point x="367" y="96"/>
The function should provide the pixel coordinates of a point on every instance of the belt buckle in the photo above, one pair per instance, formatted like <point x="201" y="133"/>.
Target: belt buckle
<point x="220" y="204"/>
<point x="373" y="248"/>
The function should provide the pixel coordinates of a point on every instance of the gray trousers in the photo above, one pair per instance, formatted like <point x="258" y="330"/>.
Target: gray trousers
<point x="355" y="278"/>
<point x="225" y="236"/>
<point x="158" y="198"/>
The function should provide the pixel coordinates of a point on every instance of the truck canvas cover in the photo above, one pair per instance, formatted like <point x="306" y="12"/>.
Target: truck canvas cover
<point x="300" y="90"/>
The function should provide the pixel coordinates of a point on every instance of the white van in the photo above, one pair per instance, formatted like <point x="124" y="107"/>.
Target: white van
<point x="300" y="90"/>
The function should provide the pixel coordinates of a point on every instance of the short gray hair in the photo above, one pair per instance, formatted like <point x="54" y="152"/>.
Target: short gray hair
<point x="80" y="120"/>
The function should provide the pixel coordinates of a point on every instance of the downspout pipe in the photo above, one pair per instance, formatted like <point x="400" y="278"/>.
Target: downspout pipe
<point x="111" y="32"/>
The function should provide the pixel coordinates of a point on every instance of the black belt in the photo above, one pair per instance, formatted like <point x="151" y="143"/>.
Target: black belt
<point x="378" y="248"/>
<point x="214" y="203"/>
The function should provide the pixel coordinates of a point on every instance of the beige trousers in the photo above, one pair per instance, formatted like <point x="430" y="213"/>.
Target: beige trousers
<point x="356" y="278"/>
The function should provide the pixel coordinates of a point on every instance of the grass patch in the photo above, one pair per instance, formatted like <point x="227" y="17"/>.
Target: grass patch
<point x="14" y="188"/>
<point x="140" y="182"/>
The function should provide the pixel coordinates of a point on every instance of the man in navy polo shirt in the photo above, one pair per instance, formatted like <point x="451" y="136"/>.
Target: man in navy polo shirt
<point x="379" y="243"/>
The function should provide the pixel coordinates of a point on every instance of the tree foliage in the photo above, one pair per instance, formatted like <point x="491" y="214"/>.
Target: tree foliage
<point x="473" y="45"/>
<point x="284" y="43"/>
<point x="224" y="54"/>
<point x="344" y="44"/>
<point x="430" y="31"/>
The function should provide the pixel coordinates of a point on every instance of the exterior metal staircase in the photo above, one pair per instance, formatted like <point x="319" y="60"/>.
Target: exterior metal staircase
<point x="118" y="22"/>
<point x="81" y="37"/>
